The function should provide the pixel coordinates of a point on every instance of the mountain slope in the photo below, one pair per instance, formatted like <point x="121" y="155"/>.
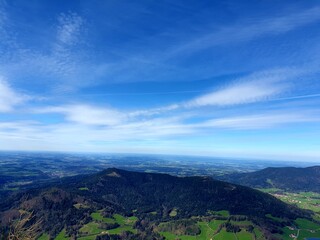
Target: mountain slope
<point x="287" y="178"/>
<point x="192" y="195"/>
<point x="69" y="202"/>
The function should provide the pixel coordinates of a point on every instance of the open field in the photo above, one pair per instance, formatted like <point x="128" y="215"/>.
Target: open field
<point x="221" y="225"/>
<point x="301" y="229"/>
<point x="94" y="228"/>
<point x="44" y="237"/>
<point x="62" y="235"/>
<point x="215" y="229"/>
<point x="304" y="200"/>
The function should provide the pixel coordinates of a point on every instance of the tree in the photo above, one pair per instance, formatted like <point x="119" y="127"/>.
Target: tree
<point x="25" y="228"/>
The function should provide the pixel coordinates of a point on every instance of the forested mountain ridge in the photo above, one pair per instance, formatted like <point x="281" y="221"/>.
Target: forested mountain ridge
<point x="286" y="178"/>
<point x="68" y="203"/>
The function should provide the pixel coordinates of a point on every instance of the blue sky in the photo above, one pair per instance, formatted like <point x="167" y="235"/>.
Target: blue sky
<point x="217" y="78"/>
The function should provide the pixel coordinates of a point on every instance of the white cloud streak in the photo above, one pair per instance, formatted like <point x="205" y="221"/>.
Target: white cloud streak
<point x="8" y="97"/>
<point x="143" y="65"/>
<point x="69" y="135"/>
<point x="87" y="115"/>
<point x="249" y="31"/>
<point x="253" y="88"/>
<point x="257" y="87"/>
<point x="259" y="121"/>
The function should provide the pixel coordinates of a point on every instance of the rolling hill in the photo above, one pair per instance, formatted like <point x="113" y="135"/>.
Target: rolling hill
<point x="286" y="178"/>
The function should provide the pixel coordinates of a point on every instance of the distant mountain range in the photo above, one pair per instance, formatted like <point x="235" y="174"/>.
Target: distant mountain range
<point x="68" y="203"/>
<point x="286" y="178"/>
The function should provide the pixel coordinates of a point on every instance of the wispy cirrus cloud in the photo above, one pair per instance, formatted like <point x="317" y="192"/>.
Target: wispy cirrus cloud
<point x="82" y="135"/>
<point x="63" y="60"/>
<point x="260" y="121"/>
<point x="69" y="29"/>
<point x="8" y="40"/>
<point x="250" y="30"/>
<point x="9" y="98"/>
<point x="262" y="86"/>
<point x="143" y="65"/>
<point x="68" y="69"/>
<point x="2" y="16"/>
<point x="277" y="67"/>
<point x="58" y="63"/>
<point x="256" y="87"/>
